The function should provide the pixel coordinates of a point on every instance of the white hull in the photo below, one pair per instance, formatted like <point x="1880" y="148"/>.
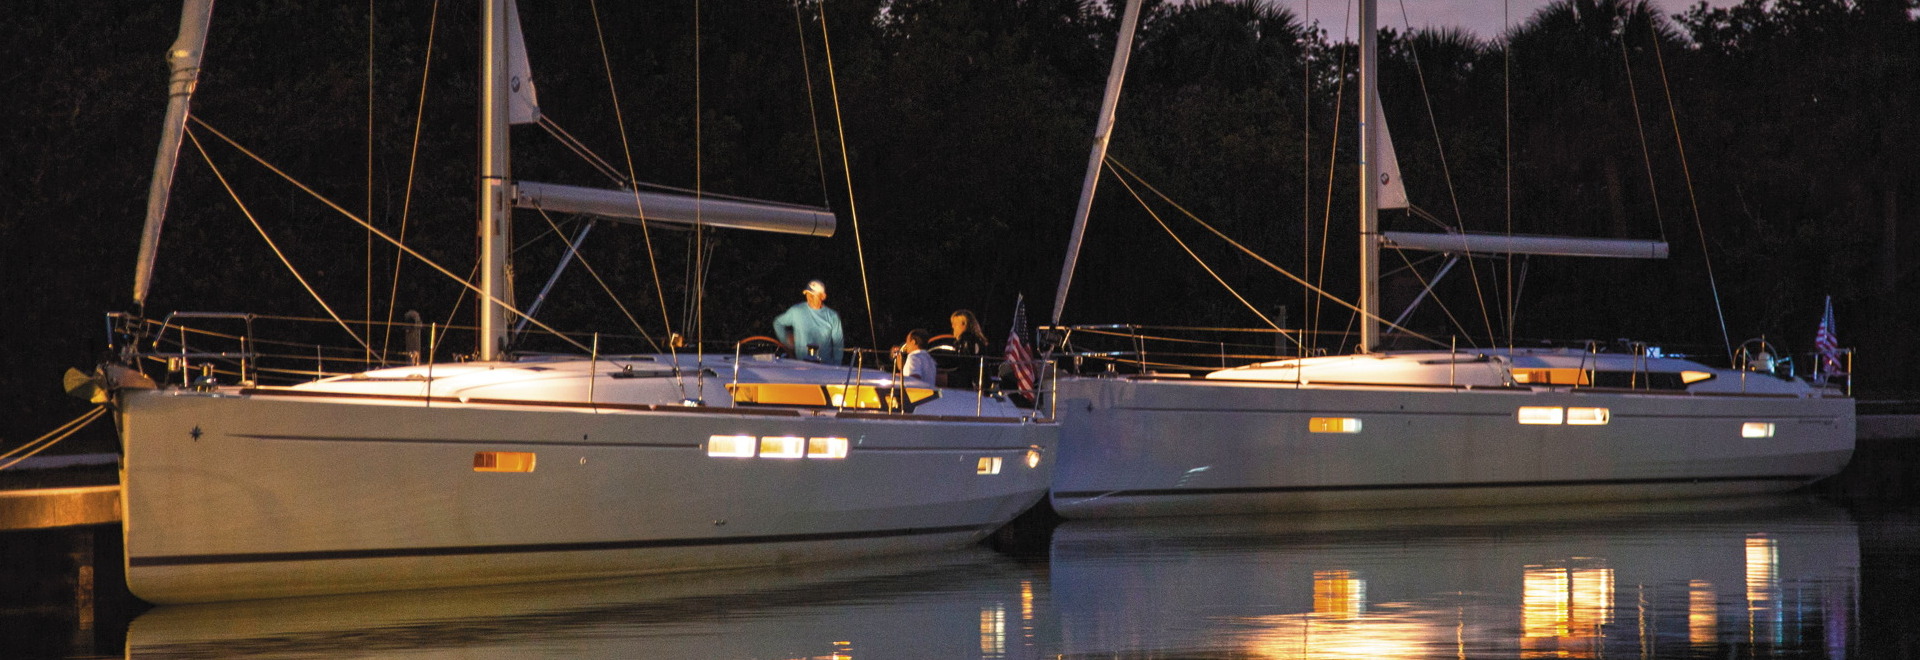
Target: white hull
<point x="1140" y="446"/>
<point x="266" y="493"/>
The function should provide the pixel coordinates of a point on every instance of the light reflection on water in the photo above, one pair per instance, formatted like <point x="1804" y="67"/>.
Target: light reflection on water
<point x="1746" y="578"/>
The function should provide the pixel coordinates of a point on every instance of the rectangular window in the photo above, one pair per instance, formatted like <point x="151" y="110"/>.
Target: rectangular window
<point x="988" y="465"/>
<point x="1553" y="376"/>
<point x="826" y="447"/>
<point x="783" y="446"/>
<point x="1756" y="430"/>
<point x="503" y="461"/>
<point x="733" y="446"/>
<point x="1333" y="425"/>
<point x="1542" y="415"/>
<point x="1588" y="416"/>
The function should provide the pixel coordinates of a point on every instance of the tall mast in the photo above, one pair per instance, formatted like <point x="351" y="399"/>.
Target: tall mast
<point x="1369" y="203"/>
<point x="184" y="57"/>
<point x="495" y="213"/>
<point x="1103" y="129"/>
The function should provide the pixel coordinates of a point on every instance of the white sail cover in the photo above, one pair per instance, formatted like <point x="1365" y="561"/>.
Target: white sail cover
<point x="1559" y="246"/>
<point x="522" y="105"/>
<point x="680" y="209"/>
<point x="1389" y="191"/>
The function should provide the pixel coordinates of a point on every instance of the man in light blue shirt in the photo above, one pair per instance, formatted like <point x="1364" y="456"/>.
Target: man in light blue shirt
<point x="811" y="328"/>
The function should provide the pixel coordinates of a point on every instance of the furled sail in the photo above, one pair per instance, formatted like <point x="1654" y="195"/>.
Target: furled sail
<point x="1390" y="192"/>
<point x="708" y="211"/>
<point x="1558" y="246"/>
<point x="523" y="107"/>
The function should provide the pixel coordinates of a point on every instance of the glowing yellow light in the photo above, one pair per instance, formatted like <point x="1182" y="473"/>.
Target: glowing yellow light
<point x="1703" y="613"/>
<point x="1333" y="425"/>
<point x="1691" y="377"/>
<point x="1763" y="570"/>
<point x="1756" y="430"/>
<point x="1338" y="594"/>
<point x="783" y="446"/>
<point x="503" y="461"/>
<point x="1587" y="416"/>
<point x="1542" y="415"/>
<point x="1545" y="596"/>
<point x="1026" y="600"/>
<point x="993" y="630"/>
<point x="826" y="447"/>
<point x="734" y="446"/>
<point x="988" y="465"/>
<point x="1033" y="458"/>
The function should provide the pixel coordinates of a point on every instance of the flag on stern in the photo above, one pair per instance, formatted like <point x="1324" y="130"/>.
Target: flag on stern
<point x="1826" y="347"/>
<point x="1019" y="355"/>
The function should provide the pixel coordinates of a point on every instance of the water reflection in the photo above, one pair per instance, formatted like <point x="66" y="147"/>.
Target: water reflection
<point x="1737" y="578"/>
<point x="1592" y="582"/>
<point x="899" y="608"/>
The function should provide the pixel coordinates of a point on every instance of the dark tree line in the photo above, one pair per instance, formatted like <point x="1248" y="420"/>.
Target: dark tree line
<point x="966" y="125"/>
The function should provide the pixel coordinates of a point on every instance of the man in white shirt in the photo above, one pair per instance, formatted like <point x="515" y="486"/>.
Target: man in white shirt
<point x="916" y="363"/>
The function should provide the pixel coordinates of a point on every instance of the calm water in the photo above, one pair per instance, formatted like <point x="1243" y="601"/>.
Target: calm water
<point x="1747" y="578"/>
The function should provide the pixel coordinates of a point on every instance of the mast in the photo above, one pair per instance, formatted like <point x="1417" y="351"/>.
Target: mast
<point x="495" y="213"/>
<point x="184" y="57"/>
<point x="1103" y="129"/>
<point x="1369" y="202"/>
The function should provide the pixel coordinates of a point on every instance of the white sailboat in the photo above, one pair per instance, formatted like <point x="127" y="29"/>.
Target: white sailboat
<point x="1389" y="429"/>
<point x="510" y="470"/>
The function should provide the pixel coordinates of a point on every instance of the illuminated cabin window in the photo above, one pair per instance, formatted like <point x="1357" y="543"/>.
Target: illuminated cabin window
<point x="1334" y="425"/>
<point x="808" y="394"/>
<point x="826" y="447"/>
<point x="1587" y="416"/>
<point x="988" y="465"/>
<point x="868" y="396"/>
<point x="1756" y="430"/>
<point x="783" y="446"/>
<point x="1691" y="377"/>
<point x="779" y="394"/>
<point x="735" y="446"/>
<point x="503" y="461"/>
<point x="1553" y="376"/>
<point x="1542" y="415"/>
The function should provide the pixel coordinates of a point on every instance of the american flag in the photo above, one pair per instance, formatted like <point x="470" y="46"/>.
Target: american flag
<point x="1018" y="354"/>
<point x="1826" y="345"/>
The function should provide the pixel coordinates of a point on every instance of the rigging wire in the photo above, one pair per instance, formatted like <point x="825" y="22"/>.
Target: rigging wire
<point x="1196" y="258"/>
<point x="697" y="275"/>
<point x="369" y="189"/>
<point x="1306" y="163"/>
<point x="1255" y="255"/>
<point x="1693" y="200"/>
<point x="1640" y="129"/>
<point x="846" y="166"/>
<point x="1506" y="121"/>
<point x="413" y="165"/>
<point x="646" y="234"/>
<point x="1446" y="171"/>
<point x="582" y="257"/>
<point x="244" y="210"/>
<point x="580" y="149"/>
<point x="813" y="114"/>
<point x="337" y="208"/>
<point x="1428" y="286"/>
<point x="1333" y="159"/>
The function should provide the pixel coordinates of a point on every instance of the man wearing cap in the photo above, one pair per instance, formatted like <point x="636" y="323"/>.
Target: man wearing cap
<point x="811" y="328"/>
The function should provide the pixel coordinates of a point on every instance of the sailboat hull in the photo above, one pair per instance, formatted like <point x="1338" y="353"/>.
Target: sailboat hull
<point x="1159" y="447"/>
<point x="248" y="494"/>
